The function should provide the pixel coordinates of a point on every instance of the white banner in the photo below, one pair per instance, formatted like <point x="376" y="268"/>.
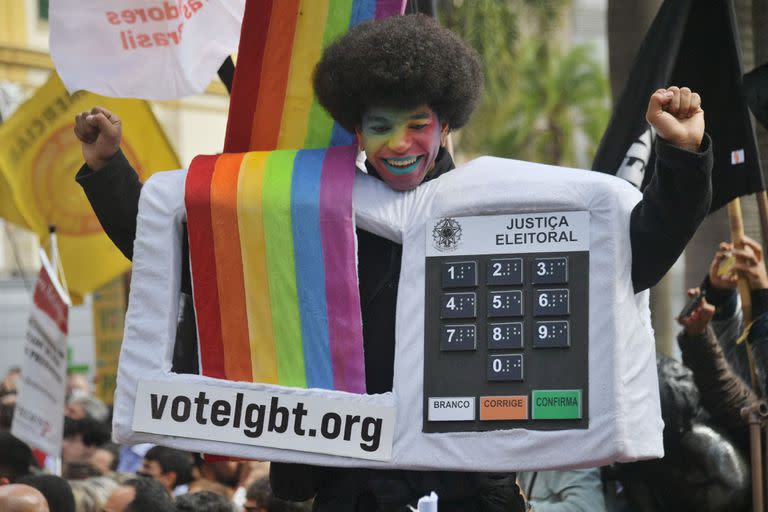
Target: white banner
<point x="39" y="416"/>
<point x="279" y="420"/>
<point x="150" y="49"/>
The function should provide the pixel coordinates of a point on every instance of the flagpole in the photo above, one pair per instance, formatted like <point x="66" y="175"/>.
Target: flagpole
<point x="54" y="247"/>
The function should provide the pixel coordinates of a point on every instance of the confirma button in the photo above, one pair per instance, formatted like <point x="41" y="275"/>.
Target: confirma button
<point x="504" y="407"/>
<point x="452" y="408"/>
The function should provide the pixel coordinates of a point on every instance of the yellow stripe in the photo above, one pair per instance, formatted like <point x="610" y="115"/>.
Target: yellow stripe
<point x="306" y="52"/>
<point x="253" y="249"/>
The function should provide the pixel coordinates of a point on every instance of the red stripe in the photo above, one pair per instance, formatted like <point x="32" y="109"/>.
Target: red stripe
<point x="197" y="199"/>
<point x="250" y="58"/>
<point x="274" y="76"/>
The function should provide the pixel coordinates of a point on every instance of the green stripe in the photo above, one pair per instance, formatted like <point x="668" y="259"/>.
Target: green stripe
<point x="320" y="124"/>
<point x="281" y="269"/>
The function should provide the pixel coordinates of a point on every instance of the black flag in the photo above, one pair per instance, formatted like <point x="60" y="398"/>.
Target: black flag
<point x="691" y="43"/>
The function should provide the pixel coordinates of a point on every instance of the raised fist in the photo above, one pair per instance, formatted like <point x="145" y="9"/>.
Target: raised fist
<point x="99" y="132"/>
<point x="676" y="115"/>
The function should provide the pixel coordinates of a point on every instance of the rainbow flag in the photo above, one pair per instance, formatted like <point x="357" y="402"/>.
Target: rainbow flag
<point x="272" y="104"/>
<point x="273" y="263"/>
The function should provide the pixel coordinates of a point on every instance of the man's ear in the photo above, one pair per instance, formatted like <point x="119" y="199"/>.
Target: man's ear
<point x="359" y="137"/>
<point x="444" y="130"/>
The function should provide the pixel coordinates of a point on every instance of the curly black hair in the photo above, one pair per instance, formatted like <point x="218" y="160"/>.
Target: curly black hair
<point x="399" y="62"/>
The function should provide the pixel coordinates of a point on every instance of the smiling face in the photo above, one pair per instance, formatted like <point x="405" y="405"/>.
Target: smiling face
<point x="402" y="144"/>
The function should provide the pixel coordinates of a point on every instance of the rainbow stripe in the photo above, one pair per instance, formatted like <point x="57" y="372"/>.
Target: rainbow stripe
<point x="272" y="255"/>
<point x="278" y="52"/>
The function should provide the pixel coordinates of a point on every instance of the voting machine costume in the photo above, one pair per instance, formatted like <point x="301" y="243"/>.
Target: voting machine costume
<point x="618" y="417"/>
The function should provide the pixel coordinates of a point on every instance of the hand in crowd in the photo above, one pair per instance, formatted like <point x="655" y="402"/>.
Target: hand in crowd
<point x="718" y="278"/>
<point x="749" y="263"/>
<point x="676" y="115"/>
<point x="696" y="323"/>
<point x="99" y="132"/>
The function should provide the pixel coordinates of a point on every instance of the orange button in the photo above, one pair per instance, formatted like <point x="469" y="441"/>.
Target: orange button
<point x="504" y="407"/>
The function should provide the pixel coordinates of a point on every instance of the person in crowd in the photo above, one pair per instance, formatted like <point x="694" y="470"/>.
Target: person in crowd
<point x="79" y="470"/>
<point x="169" y="466"/>
<point x="139" y="495"/>
<point x="91" y="494"/>
<point x="16" y="459"/>
<point x="22" y="498"/>
<point x="203" y="501"/>
<point x="702" y="468"/>
<point x="578" y="490"/>
<point x="81" y="438"/>
<point x="205" y="485"/>
<point x="106" y="458"/>
<point x="78" y="385"/>
<point x="8" y="386"/>
<point x="6" y="416"/>
<point x="79" y="407"/>
<point x="259" y="498"/>
<point x="401" y="85"/>
<point x="56" y="490"/>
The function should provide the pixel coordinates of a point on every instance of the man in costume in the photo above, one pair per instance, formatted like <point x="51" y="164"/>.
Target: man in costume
<point x="401" y="84"/>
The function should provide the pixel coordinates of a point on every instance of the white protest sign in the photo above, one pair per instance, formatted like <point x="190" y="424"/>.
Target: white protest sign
<point x="39" y="416"/>
<point x="150" y="49"/>
<point x="273" y="419"/>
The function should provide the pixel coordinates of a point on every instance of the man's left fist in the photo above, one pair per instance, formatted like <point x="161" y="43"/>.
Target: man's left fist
<point x="676" y="115"/>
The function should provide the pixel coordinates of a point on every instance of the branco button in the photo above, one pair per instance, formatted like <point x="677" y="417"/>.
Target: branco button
<point x="503" y="408"/>
<point x="451" y="408"/>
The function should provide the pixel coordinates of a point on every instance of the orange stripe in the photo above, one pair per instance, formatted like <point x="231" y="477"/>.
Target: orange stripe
<point x="274" y="75"/>
<point x="229" y="267"/>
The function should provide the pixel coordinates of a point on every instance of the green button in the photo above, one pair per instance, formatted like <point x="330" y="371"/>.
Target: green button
<point x="557" y="404"/>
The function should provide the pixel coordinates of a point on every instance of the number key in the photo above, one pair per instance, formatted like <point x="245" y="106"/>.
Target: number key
<point x="505" y="271"/>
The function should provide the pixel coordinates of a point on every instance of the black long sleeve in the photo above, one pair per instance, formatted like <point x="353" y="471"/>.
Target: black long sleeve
<point x="674" y="203"/>
<point x="113" y="192"/>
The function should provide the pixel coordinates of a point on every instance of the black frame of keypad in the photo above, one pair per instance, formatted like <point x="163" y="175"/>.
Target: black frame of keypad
<point x="458" y="373"/>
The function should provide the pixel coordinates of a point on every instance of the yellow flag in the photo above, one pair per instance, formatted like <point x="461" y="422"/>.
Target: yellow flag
<point x="39" y="157"/>
<point x="109" y="305"/>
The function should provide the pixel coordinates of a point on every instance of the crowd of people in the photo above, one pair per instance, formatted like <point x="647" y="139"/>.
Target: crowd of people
<point x="99" y="476"/>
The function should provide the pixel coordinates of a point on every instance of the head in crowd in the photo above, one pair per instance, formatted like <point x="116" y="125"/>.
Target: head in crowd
<point x="80" y="407"/>
<point x="168" y="466"/>
<point x="206" y="501"/>
<point x="259" y="498"/>
<point x="22" y="498"/>
<point x="56" y="490"/>
<point x="139" y="495"/>
<point x="82" y="437"/>
<point x="224" y="472"/>
<point x="105" y="458"/>
<point x="91" y="494"/>
<point x="8" y="386"/>
<point x="381" y="80"/>
<point x="78" y="385"/>
<point x="16" y="458"/>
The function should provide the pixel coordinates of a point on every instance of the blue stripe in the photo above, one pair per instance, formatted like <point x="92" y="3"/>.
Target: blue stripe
<point x="310" y="267"/>
<point x="362" y="10"/>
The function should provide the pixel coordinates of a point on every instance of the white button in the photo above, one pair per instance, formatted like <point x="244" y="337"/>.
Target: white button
<point x="451" y="408"/>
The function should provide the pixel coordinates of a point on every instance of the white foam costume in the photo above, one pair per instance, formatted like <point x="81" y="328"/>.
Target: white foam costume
<point x="624" y="412"/>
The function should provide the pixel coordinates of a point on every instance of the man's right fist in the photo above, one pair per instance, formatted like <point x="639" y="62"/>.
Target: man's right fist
<point x="99" y="132"/>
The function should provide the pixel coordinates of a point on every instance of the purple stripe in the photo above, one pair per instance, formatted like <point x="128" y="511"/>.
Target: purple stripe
<point x="386" y="8"/>
<point x="345" y="325"/>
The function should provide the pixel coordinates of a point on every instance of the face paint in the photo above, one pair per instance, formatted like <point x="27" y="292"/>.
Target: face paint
<point x="401" y="144"/>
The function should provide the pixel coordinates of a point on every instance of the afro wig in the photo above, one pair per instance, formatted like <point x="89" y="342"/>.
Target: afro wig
<point x="399" y="62"/>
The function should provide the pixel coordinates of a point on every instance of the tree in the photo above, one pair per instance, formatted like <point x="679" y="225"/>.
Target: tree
<point x="537" y="96"/>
